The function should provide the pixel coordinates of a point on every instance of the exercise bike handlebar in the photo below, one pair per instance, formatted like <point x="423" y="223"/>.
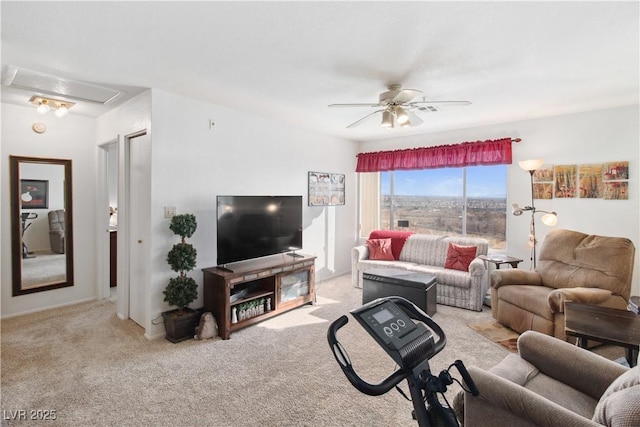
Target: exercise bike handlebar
<point x="397" y="376"/>
<point x="343" y="360"/>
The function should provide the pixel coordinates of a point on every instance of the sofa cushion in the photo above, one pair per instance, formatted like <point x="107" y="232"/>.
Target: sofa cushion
<point x="531" y="298"/>
<point x="620" y="403"/>
<point x="425" y="249"/>
<point x="380" y="249"/>
<point x="459" y="257"/>
<point x="398" y="239"/>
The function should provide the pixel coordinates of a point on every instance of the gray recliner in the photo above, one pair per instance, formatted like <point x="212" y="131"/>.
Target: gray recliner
<point x="56" y="230"/>
<point x="551" y="383"/>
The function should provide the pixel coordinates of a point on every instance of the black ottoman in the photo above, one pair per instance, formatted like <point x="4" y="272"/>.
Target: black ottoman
<point x="419" y="288"/>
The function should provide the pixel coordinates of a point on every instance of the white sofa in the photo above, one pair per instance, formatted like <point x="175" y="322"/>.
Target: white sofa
<point x="427" y="254"/>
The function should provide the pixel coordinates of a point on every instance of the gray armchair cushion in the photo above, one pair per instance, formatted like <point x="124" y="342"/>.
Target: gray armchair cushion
<point x="551" y="383"/>
<point x="619" y="406"/>
<point x="56" y="230"/>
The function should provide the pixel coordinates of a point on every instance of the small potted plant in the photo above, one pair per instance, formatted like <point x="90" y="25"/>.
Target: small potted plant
<point x="182" y="290"/>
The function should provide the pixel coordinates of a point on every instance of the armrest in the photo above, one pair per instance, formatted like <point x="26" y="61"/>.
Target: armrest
<point x="359" y="253"/>
<point x="514" y="276"/>
<point x="477" y="267"/>
<point x="520" y="402"/>
<point x="593" y="296"/>
<point x="579" y="368"/>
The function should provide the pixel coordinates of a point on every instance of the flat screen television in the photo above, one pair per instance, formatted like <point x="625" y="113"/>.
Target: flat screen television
<point x="256" y="226"/>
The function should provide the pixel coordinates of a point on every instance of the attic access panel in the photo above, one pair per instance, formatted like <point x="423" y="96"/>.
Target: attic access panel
<point x="33" y="81"/>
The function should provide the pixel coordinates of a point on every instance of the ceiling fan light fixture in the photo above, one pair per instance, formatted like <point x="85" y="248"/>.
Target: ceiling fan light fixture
<point x="387" y="119"/>
<point x="401" y="115"/>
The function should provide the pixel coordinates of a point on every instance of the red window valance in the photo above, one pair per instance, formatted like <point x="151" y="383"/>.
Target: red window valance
<point x="497" y="152"/>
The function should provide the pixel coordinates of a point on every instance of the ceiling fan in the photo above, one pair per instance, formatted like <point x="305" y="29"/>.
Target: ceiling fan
<point x="397" y="106"/>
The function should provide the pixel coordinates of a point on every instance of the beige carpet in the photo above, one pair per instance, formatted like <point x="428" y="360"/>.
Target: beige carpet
<point x="96" y="370"/>
<point x="45" y="267"/>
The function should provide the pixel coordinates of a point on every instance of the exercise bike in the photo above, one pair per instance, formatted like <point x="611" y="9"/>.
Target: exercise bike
<point x="390" y="322"/>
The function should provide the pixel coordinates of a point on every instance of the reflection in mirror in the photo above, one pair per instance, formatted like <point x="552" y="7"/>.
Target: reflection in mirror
<point x="41" y="224"/>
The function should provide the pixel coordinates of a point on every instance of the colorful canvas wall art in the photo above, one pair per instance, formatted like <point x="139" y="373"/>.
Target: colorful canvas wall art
<point x="590" y="181"/>
<point x="565" y="181"/>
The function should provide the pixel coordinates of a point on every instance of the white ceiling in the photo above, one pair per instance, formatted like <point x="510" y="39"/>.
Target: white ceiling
<point x="289" y="60"/>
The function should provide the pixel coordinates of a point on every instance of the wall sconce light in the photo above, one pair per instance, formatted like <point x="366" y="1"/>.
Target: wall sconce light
<point x="549" y="218"/>
<point x="44" y="105"/>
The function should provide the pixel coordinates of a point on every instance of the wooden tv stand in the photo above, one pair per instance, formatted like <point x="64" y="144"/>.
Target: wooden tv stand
<point x="287" y="282"/>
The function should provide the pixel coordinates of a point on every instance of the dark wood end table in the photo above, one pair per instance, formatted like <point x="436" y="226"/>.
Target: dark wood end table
<point x="498" y="260"/>
<point x="602" y="324"/>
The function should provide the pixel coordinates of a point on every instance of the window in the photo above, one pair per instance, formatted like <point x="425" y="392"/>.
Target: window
<point x="468" y="201"/>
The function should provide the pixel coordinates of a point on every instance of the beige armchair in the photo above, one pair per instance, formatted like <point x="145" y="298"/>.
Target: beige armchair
<point x="56" y="231"/>
<point x="551" y="383"/>
<point x="572" y="266"/>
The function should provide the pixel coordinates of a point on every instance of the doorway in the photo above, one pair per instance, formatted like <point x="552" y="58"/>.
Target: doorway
<point x="125" y="231"/>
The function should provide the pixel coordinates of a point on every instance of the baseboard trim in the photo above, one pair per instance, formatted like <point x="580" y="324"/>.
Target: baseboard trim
<point x="49" y="307"/>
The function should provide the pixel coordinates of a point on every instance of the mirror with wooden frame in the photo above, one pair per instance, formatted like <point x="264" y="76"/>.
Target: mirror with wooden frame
<point x="41" y="224"/>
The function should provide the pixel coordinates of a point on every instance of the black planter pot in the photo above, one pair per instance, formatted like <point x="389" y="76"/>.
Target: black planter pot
<point x="180" y="327"/>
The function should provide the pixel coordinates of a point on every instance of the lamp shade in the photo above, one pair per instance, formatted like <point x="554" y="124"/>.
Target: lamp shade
<point x="531" y="164"/>
<point x="550" y="219"/>
<point x="401" y="115"/>
<point x="387" y="119"/>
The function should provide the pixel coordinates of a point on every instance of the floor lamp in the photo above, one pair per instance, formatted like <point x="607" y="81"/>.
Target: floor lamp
<point x="549" y="218"/>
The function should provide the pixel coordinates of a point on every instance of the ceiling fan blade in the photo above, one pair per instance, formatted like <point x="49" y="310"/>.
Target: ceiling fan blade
<point x="356" y="123"/>
<point x="450" y="103"/>
<point x="414" y="119"/>
<point x="406" y="95"/>
<point x="355" y="105"/>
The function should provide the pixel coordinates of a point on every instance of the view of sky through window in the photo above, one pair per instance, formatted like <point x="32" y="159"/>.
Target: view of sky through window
<point x="482" y="181"/>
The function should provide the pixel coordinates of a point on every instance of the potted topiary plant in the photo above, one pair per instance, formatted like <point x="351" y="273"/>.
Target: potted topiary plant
<point x="182" y="290"/>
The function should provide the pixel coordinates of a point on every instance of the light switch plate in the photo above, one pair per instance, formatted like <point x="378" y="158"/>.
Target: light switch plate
<point x="169" y="211"/>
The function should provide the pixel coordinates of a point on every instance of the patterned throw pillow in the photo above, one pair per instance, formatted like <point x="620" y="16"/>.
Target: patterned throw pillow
<point x="380" y="249"/>
<point x="459" y="257"/>
<point x="620" y="404"/>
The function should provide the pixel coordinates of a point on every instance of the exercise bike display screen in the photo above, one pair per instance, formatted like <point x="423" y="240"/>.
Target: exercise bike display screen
<point x="388" y="324"/>
<point x="382" y="316"/>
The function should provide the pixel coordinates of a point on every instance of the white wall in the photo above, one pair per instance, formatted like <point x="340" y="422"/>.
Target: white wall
<point x="592" y="137"/>
<point x="246" y="155"/>
<point x="71" y="137"/>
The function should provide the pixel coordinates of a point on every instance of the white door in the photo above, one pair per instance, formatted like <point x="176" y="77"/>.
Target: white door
<point x="139" y="202"/>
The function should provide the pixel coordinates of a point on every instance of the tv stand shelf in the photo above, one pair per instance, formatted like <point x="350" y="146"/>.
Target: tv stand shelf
<point x="287" y="281"/>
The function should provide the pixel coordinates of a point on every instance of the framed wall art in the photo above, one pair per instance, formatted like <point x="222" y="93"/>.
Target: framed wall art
<point x="326" y="189"/>
<point x="34" y="194"/>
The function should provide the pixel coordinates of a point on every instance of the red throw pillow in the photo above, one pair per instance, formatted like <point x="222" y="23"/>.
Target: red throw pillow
<point x="380" y="249"/>
<point x="459" y="257"/>
<point x="397" y="239"/>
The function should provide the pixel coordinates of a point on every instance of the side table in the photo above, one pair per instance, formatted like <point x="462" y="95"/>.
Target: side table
<point x="603" y="324"/>
<point x="499" y="259"/>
